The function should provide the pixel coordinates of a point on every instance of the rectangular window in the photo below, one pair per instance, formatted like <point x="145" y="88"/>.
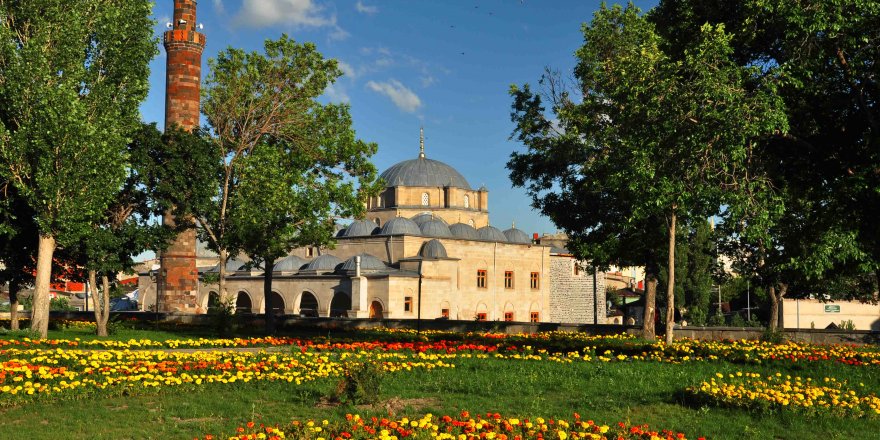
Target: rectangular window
<point x="444" y="313"/>
<point x="481" y="316"/>
<point x="577" y="269"/>
<point x="534" y="317"/>
<point x="310" y="252"/>
<point x="535" y="283"/>
<point x="481" y="279"/>
<point x="407" y="304"/>
<point x="508" y="316"/>
<point x="508" y="279"/>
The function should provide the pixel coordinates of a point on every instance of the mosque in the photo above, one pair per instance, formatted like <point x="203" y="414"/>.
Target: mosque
<point x="425" y="250"/>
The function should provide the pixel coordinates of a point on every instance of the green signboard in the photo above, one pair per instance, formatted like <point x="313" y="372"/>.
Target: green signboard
<point x="832" y="308"/>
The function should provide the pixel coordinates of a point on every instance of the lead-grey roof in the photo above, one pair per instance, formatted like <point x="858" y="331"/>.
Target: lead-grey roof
<point x="360" y="228"/>
<point x="433" y="249"/>
<point x="491" y="233"/>
<point x="290" y="263"/>
<point x="515" y="235"/>
<point x="436" y="228"/>
<point x="462" y="230"/>
<point x="424" y="217"/>
<point x="400" y="225"/>
<point x="368" y="262"/>
<point x="423" y="172"/>
<point x="232" y="265"/>
<point x="324" y="262"/>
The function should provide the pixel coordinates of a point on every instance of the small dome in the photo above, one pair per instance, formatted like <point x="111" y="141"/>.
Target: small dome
<point x="426" y="217"/>
<point x="291" y="263"/>
<point x="435" y="228"/>
<point x="368" y="262"/>
<point x="361" y="228"/>
<point x="515" y="235"/>
<point x="340" y="230"/>
<point x="433" y="249"/>
<point x="400" y="225"/>
<point x="232" y="265"/>
<point x="423" y="172"/>
<point x="462" y="230"/>
<point x="324" y="262"/>
<point x="491" y="233"/>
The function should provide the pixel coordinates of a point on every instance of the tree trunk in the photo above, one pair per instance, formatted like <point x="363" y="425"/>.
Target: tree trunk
<point x="648" y="324"/>
<point x="269" y="306"/>
<point x="780" y="294"/>
<point x="13" y="305"/>
<point x="100" y="302"/>
<point x="225" y="300"/>
<point x="773" y="319"/>
<point x="670" y="283"/>
<point x="40" y="311"/>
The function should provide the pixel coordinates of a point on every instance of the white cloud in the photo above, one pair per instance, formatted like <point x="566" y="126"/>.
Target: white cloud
<point x="337" y="93"/>
<point x="427" y="80"/>
<point x="218" y="6"/>
<point x="305" y="13"/>
<point x="401" y="96"/>
<point x="364" y="9"/>
<point x="346" y="69"/>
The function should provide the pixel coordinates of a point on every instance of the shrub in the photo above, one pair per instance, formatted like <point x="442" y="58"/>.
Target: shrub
<point x="361" y="384"/>
<point x="776" y="336"/>
<point x="717" y="320"/>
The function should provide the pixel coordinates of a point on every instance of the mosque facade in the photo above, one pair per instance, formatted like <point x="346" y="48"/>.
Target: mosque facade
<point x="425" y="250"/>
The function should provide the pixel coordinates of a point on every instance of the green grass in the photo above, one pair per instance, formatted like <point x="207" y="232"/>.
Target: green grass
<point x="638" y="392"/>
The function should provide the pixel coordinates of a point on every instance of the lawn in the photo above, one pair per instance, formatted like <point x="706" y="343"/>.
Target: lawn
<point x="479" y="374"/>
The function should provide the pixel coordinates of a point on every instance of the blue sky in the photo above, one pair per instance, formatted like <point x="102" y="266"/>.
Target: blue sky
<point x="444" y="65"/>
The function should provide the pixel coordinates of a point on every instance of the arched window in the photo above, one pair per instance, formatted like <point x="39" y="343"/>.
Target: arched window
<point x="308" y="305"/>
<point x="467" y="201"/>
<point x="378" y="222"/>
<point x="340" y="305"/>
<point x="426" y="199"/>
<point x="243" y="303"/>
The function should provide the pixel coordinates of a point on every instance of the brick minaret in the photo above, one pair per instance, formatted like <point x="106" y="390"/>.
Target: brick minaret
<point x="183" y="45"/>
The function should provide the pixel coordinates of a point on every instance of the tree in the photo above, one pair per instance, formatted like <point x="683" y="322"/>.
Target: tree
<point x="72" y="74"/>
<point x="127" y="227"/>
<point x="823" y="60"/>
<point x="18" y="247"/>
<point x="673" y="133"/>
<point x="290" y="194"/>
<point x="701" y="266"/>
<point x="252" y="99"/>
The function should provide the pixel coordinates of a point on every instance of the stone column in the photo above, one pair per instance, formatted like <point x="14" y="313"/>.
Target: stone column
<point x="183" y="46"/>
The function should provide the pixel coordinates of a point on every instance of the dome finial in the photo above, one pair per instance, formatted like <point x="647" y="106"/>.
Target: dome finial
<point x="422" y="142"/>
<point x="513" y="224"/>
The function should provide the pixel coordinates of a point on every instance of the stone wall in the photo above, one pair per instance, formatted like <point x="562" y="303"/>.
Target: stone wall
<point x="571" y="292"/>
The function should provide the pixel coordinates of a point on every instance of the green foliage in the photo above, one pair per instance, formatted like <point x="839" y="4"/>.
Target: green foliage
<point x="59" y="304"/>
<point x="361" y="384"/>
<point x="72" y="75"/>
<point x="19" y="334"/>
<point x="292" y="165"/>
<point x="847" y="325"/>
<point x="116" y="324"/>
<point x="716" y="320"/>
<point x="774" y="335"/>
<point x="813" y="222"/>
<point x="651" y="137"/>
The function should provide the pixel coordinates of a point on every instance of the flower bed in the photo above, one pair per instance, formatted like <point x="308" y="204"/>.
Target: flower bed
<point x="778" y="392"/>
<point x="35" y="373"/>
<point x="464" y="427"/>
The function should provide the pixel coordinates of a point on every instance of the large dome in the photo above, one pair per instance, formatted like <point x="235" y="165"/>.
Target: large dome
<point x="423" y="172"/>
